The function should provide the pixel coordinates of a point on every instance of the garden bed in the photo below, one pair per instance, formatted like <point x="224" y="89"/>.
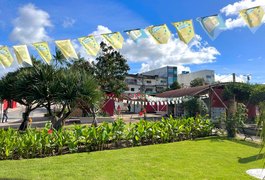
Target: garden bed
<point x="48" y="142"/>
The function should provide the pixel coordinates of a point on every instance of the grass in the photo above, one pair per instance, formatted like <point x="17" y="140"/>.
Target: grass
<point x="208" y="158"/>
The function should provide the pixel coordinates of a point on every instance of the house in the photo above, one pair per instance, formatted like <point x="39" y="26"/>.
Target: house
<point x="210" y="94"/>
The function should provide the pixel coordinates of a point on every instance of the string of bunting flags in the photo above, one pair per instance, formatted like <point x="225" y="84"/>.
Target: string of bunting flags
<point x="213" y="25"/>
<point x="144" y="99"/>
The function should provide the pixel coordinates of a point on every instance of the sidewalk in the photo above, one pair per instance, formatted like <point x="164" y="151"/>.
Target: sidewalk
<point x="15" y="117"/>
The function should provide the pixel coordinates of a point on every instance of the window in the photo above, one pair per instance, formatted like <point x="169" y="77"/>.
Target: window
<point x="208" y="77"/>
<point x="148" y="90"/>
<point x="170" y="70"/>
<point x="132" y="89"/>
<point x="159" y="89"/>
<point x="131" y="81"/>
<point x="170" y="80"/>
<point x="175" y="71"/>
<point x="148" y="82"/>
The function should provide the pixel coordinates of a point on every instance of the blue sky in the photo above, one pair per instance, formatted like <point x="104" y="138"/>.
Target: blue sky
<point x="237" y="50"/>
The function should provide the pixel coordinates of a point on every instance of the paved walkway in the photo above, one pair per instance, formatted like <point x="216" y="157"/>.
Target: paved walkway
<point x="15" y="117"/>
<point x="38" y="119"/>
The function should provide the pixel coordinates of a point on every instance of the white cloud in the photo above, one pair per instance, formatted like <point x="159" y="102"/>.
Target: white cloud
<point x="234" y="23"/>
<point x="100" y="30"/>
<point x="68" y="22"/>
<point x="174" y="53"/>
<point x="79" y="49"/>
<point x="30" y="26"/>
<point x="183" y="68"/>
<point x="229" y="78"/>
<point x="233" y="10"/>
<point x="152" y="55"/>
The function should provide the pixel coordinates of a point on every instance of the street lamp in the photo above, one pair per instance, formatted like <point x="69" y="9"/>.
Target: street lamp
<point x="249" y="76"/>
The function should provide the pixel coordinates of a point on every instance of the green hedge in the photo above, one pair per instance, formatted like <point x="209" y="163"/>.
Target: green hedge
<point x="46" y="142"/>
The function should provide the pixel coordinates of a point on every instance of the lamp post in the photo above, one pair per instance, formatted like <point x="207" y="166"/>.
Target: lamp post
<point x="248" y="77"/>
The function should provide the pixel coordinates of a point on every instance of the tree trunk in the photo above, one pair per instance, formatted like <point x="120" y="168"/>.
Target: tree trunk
<point x="230" y="121"/>
<point x="231" y="107"/>
<point x="58" y="123"/>
<point x="95" y="121"/>
<point x="48" y="107"/>
<point x="25" y="121"/>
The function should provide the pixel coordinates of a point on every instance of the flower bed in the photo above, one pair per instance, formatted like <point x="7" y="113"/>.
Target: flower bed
<point x="47" y="142"/>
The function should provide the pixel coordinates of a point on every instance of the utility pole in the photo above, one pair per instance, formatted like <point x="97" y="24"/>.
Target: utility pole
<point x="142" y="91"/>
<point x="248" y="78"/>
<point x="234" y="77"/>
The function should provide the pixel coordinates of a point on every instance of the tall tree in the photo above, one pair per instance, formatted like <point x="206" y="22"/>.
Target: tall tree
<point x="43" y="85"/>
<point x="19" y="86"/>
<point x="110" y="69"/>
<point x="75" y="89"/>
<point x="175" y="85"/>
<point x="233" y="93"/>
<point x="197" y="82"/>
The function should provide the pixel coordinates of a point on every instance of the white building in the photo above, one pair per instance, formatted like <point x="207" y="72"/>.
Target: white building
<point x="169" y="73"/>
<point x="185" y="78"/>
<point x="145" y="83"/>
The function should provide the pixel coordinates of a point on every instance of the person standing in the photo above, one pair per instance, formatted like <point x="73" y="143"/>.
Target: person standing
<point x="5" y="117"/>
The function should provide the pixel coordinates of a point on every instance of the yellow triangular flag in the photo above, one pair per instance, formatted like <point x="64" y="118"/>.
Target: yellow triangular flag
<point x="5" y="56"/>
<point x="67" y="48"/>
<point x="161" y="33"/>
<point x="252" y="16"/>
<point x="115" y="39"/>
<point x="90" y="44"/>
<point x="185" y="30"/>
<point x="44" y="51"/>
<point x="22" y="54"/>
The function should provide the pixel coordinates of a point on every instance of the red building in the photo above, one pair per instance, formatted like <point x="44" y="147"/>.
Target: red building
<point x="212" y="95"/>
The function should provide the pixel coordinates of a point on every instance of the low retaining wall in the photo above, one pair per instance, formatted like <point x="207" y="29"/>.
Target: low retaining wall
<point x="87" y="120"/>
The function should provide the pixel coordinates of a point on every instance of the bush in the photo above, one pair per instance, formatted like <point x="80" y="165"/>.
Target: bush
<point x="235" y="121"/>
<point x="48" y="142"/>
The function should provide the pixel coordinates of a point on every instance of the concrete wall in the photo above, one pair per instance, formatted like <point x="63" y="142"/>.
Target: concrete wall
<point x="207" y="75"/>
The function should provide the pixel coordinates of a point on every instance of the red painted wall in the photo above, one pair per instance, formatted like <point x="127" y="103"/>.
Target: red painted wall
<point x="154" y="108"/>
<point x="6" y="104"/>
<point x="217" y="103"/>
<point x="109" y="107"/>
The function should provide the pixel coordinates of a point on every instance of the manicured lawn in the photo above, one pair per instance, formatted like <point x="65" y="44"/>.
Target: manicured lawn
<point x="209" y="158"/>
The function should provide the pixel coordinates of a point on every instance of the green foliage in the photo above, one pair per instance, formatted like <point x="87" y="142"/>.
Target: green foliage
<point x="197" y="82"/>
<point x="175" y="85"/>
<point x="235" y="121"/>
<point x="195" y="106"/>
<point x="47" y="142"/>
<point x="110" y="69"/>
<point x="206" y="158"/>
<point x="261" y="120"/>
<point x="241" y="91"/>
<point x="257" y="94"/>
<point x="43" y="85"/>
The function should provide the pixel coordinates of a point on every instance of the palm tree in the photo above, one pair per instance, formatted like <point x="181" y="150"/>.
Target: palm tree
<point x="43" y="85"/>
<point x="59" y="58"/>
